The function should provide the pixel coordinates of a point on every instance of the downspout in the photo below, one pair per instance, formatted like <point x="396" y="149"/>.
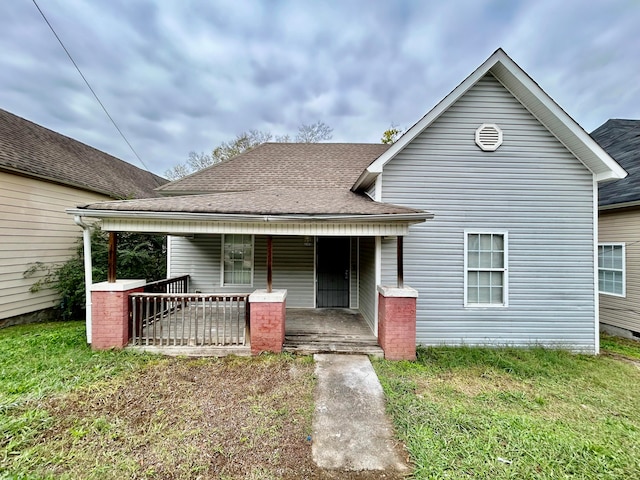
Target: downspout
<point x="88" y="274"/>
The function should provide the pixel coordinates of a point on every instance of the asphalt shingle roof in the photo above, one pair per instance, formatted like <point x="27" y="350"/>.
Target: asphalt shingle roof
<point x="295" y="165"/>
<point x="30" y="149"/>
<point x="274" y="179"/>
<point x="621" y="140"/>
<point x="270" y="201"/>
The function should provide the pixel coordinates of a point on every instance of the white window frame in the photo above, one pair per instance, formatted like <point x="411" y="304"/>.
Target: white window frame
<point x="623" y="270"/>
<point x="253" y="250"/>
<point x="504" y="269"/>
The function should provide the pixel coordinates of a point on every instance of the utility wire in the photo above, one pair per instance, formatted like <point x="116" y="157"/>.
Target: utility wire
<point x="89" y="86"/>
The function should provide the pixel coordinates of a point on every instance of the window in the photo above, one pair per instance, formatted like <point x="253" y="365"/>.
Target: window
<point x="237" y="259"/>
<point x="485" y="269"/>
<point x="611" y="275"/>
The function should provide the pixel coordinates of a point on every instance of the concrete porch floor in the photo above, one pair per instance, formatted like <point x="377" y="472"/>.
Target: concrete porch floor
<point x="328" y="330"/>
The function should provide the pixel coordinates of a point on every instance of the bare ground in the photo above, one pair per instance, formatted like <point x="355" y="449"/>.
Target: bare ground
<point x="231" y="418"/>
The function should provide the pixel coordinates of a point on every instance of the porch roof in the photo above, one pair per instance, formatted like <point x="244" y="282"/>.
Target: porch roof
<point x="321" y="211"/>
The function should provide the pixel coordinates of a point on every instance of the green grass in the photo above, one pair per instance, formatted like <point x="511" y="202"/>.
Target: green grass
<point x="41" y="360"/>
<point x="621" y="346"/>
<point x="516" y="413"/>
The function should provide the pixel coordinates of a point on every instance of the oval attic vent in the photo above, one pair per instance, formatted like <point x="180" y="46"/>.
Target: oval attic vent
<point x="488" y="137"/>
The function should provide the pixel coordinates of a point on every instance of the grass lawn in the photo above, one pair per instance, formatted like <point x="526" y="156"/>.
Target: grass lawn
<point x="69" y="412"/>
<point x="511" y="413"/>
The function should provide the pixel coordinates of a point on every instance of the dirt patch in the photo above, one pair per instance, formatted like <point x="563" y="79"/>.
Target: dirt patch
<point x="195" y="419"/>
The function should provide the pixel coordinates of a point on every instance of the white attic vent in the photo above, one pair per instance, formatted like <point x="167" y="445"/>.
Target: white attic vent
<point x="488" y="137"/>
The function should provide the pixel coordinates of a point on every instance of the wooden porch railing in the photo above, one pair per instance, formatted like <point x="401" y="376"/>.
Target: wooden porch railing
<point x="188" y="319"/>
<point x="169" y="285"/>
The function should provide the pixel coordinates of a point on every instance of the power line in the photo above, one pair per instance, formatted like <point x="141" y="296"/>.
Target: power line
<point x="89" y="86"/>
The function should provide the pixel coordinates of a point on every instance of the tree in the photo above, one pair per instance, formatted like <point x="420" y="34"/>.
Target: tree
<point x="139" y="256"/>
<point x="316" y="132"/>
<point x="391" y="134"/>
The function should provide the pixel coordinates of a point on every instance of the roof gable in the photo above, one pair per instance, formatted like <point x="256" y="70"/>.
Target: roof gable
<point x="29" y="149"/>
<point x="532" y="97"/>
<point x="621" y="140"/>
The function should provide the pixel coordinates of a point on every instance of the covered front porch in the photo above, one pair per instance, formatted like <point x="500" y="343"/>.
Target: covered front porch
<point x="297" y="260"/>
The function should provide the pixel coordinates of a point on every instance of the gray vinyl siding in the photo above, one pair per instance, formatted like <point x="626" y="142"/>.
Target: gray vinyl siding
<point x="368" y="289"/>
<point x="533" y="188"/>
<point x="200" y="258"/>
<point x="623" y="226"/>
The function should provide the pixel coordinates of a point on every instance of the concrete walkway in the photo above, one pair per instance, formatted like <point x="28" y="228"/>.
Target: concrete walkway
<point x="350" y="428"/>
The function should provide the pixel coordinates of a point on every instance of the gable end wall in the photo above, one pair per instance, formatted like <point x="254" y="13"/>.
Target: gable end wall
<point x="532" y="187"/>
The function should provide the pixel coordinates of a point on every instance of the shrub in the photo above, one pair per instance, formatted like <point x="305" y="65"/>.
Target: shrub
<point x="140" y="255"/>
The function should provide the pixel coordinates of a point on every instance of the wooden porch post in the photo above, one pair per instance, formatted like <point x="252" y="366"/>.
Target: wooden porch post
<point x="112" y="257"/>
<point x="400" y="262"/>
<point x="269" y="263"/>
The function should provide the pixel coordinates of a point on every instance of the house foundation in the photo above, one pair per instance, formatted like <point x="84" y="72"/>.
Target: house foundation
<point x="397" y="322"/>
<point x="110" y="312"/>
<point x="267" y="320"/>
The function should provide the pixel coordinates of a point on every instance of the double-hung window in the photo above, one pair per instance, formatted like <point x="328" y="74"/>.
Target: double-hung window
<point x="237" y="259"/>
<point x="485" y="269"/>
<point x="611" y="265"/>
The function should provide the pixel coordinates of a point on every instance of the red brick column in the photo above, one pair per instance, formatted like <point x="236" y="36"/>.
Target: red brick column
<point x="110" y="313"/>
<point x="397" y="322"/>
<point x="267" y="320"/>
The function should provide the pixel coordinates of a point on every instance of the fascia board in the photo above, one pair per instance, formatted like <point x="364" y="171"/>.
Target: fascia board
<point x="400" y="217"/>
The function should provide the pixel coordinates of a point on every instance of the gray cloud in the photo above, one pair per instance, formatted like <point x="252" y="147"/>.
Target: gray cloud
<point x="182" y="76"/>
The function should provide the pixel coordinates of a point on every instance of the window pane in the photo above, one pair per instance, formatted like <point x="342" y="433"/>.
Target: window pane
<point x="238" y="259"/>
<point x="484" y="295"/>
<point x="472" y="295"/>
<point x="498" y="243"/>
<point x="485" y="259"/>
<point x="473" y="260"/>
<point x="474" y="243"/>
<point x="496" y="295"/>
<point x="485" y="242"/>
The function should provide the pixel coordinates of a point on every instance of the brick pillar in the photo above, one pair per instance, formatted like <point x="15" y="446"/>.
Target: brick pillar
<point x="110" y="313"/>
<point x="266" y="320"/>
<point x="397" y="322"/>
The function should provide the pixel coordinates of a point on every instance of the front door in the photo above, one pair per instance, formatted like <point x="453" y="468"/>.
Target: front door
<point x="333" y="272"/>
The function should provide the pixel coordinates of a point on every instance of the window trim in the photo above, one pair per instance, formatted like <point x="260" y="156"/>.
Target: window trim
<point x="624" y="268"/>
<point x="504" y="269"/>
<point x="253" y="250"/>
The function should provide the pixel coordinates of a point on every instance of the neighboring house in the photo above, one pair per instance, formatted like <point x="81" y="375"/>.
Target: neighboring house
<point x="619" y="230"/>
<point x="505" y="179"/>
<point x="41" y="174"/>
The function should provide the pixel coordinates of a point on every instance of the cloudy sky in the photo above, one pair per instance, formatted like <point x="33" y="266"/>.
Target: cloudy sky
<point x="186" y="75"/>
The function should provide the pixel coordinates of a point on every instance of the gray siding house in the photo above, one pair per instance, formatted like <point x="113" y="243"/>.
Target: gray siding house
<point x="493" y="194"/>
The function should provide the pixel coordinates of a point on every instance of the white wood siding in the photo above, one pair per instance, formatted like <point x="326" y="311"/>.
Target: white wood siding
<point x="367" y="288"/>
<point x="532" y="187"/>
<point x="34" y="228"/>
<point x="200" y="257"/>
<point x="617" y="226"/>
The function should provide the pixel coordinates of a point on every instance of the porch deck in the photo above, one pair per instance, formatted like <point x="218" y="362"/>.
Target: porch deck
<point x="308" y="331"/>
<point x="328" y="330"/>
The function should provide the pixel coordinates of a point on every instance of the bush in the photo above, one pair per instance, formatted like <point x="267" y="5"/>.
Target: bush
<point x="140" y="255"/>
